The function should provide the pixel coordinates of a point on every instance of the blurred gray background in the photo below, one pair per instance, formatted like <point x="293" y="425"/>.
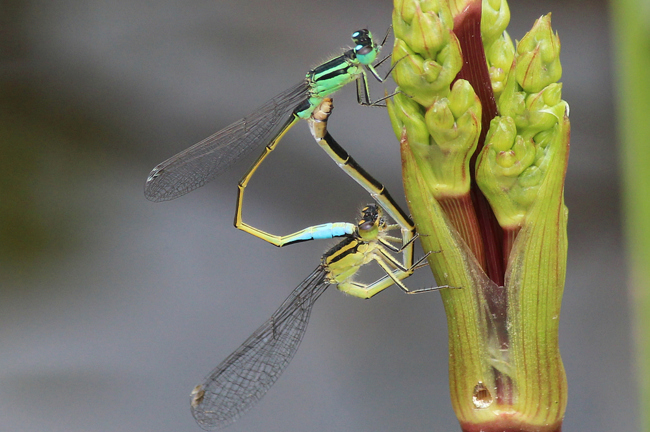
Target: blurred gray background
<point x="114" y="307"/>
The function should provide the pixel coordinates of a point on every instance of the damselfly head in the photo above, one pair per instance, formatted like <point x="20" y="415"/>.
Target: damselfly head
<point x="363" y="42"/>
<point x="364" y="49"/>
<point x="371" y="222"/>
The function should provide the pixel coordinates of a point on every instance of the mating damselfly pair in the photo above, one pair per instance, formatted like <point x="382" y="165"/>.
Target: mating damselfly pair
<point x="245" y="376"/>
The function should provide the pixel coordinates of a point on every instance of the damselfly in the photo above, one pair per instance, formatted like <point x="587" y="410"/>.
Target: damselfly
<point x="207" y="159"/>
<point x="244" y="377"/>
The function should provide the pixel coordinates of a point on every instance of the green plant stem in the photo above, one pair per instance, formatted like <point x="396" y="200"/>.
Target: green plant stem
<point x="632" y="37"/>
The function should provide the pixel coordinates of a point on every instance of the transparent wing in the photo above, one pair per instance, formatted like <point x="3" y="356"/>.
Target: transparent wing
<point x="197" y="165"/>
<point x="246" y="375"/>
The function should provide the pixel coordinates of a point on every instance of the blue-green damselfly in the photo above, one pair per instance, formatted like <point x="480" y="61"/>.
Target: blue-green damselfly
<point x="207" y="159"/>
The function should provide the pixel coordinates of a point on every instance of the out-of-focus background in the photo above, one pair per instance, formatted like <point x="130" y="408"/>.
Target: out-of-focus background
<point x="114" y="307"/>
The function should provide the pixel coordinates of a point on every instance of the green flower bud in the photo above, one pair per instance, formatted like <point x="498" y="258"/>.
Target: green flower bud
<point x="414" y="74"/>
<point x="406" y="115"/>
<point x="511" y="167"/>
<point x="426" y="56"/>
<point x="500" y="171"/>
<point x="495" y="16"/>
<point x="454" y="124"/>
<point x="423" y="78"/>
<point x="535" y="112"/>
<point x="405" y="11"/>
<point x="423" y="31"/>
<point x="539" y="114"/>
<point x="500" y="55"/>
<point x="538" y="57"/>
<point x="444" y="138"/>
